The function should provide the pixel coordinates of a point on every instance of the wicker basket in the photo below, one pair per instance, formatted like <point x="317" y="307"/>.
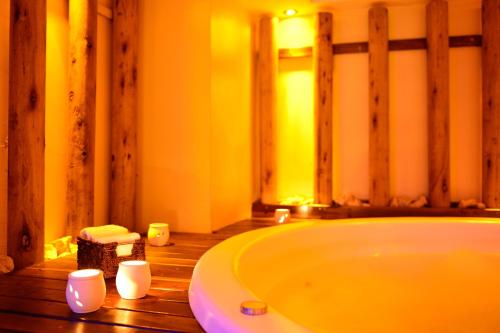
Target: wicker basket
<point x="104" y="257"/>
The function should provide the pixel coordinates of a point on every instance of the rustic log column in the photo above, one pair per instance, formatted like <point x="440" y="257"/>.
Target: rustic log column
<point x="379" y="106"/>
<point x="82" y="108"/>
<point x="124" y="113"/>
<point x="491" y="102"/>
<point x="25" y="227"/>
<point x="323" y="100"/>
<point x="438" y="102"/>
<point x="268" y="73"/>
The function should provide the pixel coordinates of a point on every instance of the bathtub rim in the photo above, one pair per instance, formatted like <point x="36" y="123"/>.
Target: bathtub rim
<point x="205" y="286"/>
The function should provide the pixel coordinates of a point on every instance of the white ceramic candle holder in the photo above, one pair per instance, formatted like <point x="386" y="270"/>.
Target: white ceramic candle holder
<point x="158" y="234"/>
<point x="85" y="290"/>
<point x="133" y="279"/>
<point x="282" y="215"/>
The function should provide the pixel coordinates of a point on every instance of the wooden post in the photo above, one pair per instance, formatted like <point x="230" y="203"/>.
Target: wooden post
<point x="268" y="72"/>
<point x="379" y="106"/>
<point x="438" y="103"/>
<point x="124" y="113"/>
<point x="25" y="227"/>
<point x="491" y="102"/>
<point x="323" y="100"/>
<point x="82" y="107"/>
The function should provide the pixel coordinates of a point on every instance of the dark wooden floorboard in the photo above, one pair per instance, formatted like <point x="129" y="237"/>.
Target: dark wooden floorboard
<point x="9" y="322"/>
<point x="33" y="299"/>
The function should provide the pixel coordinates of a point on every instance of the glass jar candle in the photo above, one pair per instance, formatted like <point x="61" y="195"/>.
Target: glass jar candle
<point x="158" y="234"/>
<point x="85" y="290"/>
<point x="282" y="215"/>
<point x="133" y="279"/>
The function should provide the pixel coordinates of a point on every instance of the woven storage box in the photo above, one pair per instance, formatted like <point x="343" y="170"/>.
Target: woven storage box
<point x="104" y="257"/>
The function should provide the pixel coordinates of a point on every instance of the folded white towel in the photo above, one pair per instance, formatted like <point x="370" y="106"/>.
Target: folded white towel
<point x="121" y="239"/>
<point x="91" y="233"/>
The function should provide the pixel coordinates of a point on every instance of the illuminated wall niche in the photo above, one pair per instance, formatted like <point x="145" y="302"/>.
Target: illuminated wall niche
<point x="295" y="113"/>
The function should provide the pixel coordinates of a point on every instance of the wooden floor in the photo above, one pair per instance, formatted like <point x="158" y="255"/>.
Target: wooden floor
<point x="33" y="299"/>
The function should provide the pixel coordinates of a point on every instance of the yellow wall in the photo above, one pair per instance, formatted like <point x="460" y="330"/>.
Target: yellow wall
<point x="194" y="114"/>
<point x="350" y="104"/>
<point x="56" y="118"/>
<point x="174" y="114"/>
<point x="295" y="127"/>
<point x="230" y="116"/>
<point x="102" y="119"/>
<point x="4" y="94"/>
<point x="465" y="104"/>
<point x="408" y="107"/>
<point x="408" y="104"/>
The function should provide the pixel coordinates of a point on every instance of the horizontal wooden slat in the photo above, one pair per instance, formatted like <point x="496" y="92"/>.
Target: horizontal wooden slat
<point x="116" y="317"/>
<point x="23" y="323"/>
<point x="394" y="45"/>
<point x="164" y="290"/>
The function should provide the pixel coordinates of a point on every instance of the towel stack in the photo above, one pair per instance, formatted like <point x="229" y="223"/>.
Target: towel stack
<point x="110" y="233"/>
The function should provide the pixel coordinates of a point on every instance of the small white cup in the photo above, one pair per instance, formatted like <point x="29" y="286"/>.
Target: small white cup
<point x="158" y="234"/>
<point x="133" y="279"/>
<point x="282" y="215"/>
<point x="85" y="290"/>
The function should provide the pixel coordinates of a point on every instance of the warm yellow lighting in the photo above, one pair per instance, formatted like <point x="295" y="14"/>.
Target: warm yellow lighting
<point x="290" y="12"/>
<point x="133" y="279"/>
<point x="85" y="273"/>
<point x="296" y="32"/>
<point x="295" y="132"/>
<point x="85" y="290"/>
<point x="303" y="210"/>
<point x="282" y="215"/>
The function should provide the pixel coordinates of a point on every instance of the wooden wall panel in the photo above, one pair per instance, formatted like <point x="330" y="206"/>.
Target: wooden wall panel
<point x="28" y="21"/>
<point x="491" y="102"/>
<point x="124" y="113"/>
<point x="379" y="106"/>
<point x="267" y="85"/>
<point x="323" y="112"/>
<point x="438" y="103"/>
<point x="82" y="109"/>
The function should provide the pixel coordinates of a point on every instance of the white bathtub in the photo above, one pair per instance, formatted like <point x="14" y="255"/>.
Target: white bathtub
<point x="359" y="275"/>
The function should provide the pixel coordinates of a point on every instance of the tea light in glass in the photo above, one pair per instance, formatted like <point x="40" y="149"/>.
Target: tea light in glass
<point x="133" y="279"/>
<point x="282" y="215"/>
<point x="158" y="234"/>
<point x="85" y="290"/>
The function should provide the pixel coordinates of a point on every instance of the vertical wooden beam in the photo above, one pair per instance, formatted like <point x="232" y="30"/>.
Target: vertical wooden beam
<point x="82" y="108"/>
<point x="491" y="102"/>
<point x="28" y="20"/>
<point x="379" y="106"/>
<point x="268" y="72"/>
<point x="438" y="102"/>
<point x="323" y="101"/>
<point x="124" y="113"/>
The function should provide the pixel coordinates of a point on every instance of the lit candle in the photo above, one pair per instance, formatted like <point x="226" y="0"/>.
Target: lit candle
<point x="282" y="215"/>
<point x="158" y="234"/>
<point x="303" y="211"/>
<point x="85" y="290"/>
<point x="133" y="279"/>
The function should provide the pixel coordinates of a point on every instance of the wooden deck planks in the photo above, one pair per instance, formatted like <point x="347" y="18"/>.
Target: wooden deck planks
<point x="33" y="299"/>
<point x="10" y="322"/>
